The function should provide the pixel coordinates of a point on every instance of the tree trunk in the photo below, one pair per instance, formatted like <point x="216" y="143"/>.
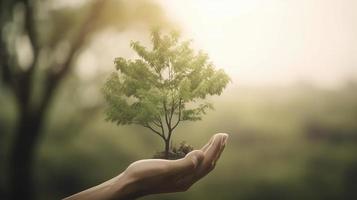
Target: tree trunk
<point x="167" y="148"/>
<point x="22" y="155"/>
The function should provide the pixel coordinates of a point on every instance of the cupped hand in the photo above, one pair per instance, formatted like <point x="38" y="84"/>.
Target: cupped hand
<point x="154" y="176"/>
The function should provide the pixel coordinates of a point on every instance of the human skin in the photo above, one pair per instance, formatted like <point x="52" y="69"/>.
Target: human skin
<point x="155" y="176"/>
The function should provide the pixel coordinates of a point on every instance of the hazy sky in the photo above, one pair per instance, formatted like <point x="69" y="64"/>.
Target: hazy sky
<point x="273" y="41"/>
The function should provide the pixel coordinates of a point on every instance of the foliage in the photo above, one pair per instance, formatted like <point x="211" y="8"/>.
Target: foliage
<point x="164" y="86"/>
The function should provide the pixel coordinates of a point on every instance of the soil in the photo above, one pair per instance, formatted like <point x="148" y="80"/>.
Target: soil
<point x="175" y="152"/>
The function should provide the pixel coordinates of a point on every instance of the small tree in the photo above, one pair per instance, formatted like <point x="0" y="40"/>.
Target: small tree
<point x="163" y="87"/>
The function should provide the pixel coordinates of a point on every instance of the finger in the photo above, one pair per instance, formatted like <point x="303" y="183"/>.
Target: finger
<point x="187" y="164"/>
<point x="186" y="181"/>
<point x="188" y="175"/>
<point x="213" y="151"/>
<point x="190" y="178"/>
<point x="223" y="145"/>
<point x="210" y="155"/>
<point x="205" y="147"/>
<point x="214" y="162"/>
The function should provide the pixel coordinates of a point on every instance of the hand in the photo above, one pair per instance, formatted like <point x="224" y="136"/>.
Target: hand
<point x="153" y="176"/>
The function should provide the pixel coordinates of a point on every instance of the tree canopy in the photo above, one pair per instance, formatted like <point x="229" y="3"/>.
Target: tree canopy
<point x="167" y="83"/>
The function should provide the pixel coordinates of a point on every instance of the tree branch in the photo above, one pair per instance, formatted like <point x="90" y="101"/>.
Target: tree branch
<point x="7" y="74"/>
<point x="30" y="25"/>
<point x="155" y="131"/>
<point x="166" y="117"/>
<point x="21" y="81"/>
<point x="172" y="111"/>
<point x="179" y="115"/>
<point x="5" y="14"/>
<point x="162" y="128"/>
<point x="78" y="42"/>
<point x="157" y="124"/>
<point x="57" y="73"/>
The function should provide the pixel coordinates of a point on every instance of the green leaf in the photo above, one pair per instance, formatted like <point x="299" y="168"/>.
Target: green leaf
<point x="167" y="82"/>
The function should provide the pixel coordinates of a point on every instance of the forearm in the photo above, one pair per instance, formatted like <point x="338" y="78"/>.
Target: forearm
<point x="117" y="188"/>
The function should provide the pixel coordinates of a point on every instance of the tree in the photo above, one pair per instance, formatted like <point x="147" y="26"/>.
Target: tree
<point x="54" y="37"/>
<point x="166" y="85"/>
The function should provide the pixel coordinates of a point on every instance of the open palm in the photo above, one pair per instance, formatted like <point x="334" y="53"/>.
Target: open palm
<point x="153" y="176"/>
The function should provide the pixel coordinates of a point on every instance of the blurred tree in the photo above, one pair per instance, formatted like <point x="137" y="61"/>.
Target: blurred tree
<point x="39" y="44"/>
<point x="165" y="86"/>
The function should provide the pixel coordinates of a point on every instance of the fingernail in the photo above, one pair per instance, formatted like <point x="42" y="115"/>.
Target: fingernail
<point x="224" y="140"/>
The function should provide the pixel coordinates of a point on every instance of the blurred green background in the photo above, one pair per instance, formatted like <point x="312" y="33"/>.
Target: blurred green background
<point x="287" y="141"/>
